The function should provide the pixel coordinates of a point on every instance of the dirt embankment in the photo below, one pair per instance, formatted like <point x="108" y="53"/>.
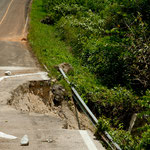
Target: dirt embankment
<point x="47" y="98"/>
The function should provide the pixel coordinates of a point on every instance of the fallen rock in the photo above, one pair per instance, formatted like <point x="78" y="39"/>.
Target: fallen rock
<point x="59" y="93"/>
<point x="24" y="39"/>
<point x="8" y="73"/>
<point x="24" y="141"/>
<point x="67" y="68"/>
<point x="53" y="80"/>
<point x="49" y="140"/>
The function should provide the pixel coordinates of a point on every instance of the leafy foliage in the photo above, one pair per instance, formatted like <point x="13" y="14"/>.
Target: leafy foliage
<point x="110" y="36"/>
<point x="120" y="136"/>
<point x="145" y="130"/>
<point x="111" y="44"/>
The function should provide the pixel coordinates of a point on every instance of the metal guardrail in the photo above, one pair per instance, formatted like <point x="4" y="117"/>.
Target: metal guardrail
<point x="86" y="110"/>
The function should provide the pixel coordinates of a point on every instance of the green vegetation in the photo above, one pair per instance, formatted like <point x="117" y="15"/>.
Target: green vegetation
<point x="111" y="36"/>
<point x="107" y="43"/>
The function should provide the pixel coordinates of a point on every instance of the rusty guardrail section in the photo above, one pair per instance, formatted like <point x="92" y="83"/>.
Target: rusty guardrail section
<point x="87" y="111"/>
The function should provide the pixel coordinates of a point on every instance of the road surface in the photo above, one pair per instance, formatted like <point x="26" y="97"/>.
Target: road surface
<point x="15" y="57"/>
<point x="13" y="26"/>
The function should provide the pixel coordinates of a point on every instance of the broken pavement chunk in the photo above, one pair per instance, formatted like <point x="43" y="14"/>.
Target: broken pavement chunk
<point x="49" y="140"/>
<point x="24" y="141"/>
<point x="8" y="73"/>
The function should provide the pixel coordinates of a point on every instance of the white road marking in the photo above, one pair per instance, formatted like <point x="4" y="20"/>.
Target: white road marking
<point x="6" y="12"/>
<point x="7" y="136"/>
<point x="42" y="74"/>
<point x="16" y="68"/>
<point x="87" y="140"/>
<point x="25" y="26"/>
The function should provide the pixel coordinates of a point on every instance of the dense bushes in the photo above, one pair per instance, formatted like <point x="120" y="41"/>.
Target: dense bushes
<point x="118" y="104"/>
<point x="111" y="39"/>
<point x="123" y="138"/>
<point x="113" y="36"/>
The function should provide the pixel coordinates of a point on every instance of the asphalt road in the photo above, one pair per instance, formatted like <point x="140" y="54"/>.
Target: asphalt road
<point x="13" y="28"/>
<point x="3" y="7"/>
<point x="12" y="19"/>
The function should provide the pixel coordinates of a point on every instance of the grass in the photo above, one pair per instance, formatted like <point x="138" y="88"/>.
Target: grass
<point x="51" y="51"/>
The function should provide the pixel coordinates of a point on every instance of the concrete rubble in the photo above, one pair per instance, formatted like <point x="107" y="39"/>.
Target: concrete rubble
<point x="24" y="141"/>
<point x="8" y="73"/>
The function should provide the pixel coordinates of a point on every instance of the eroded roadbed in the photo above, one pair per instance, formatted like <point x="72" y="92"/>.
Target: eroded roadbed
<point x="39" y="109"/>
